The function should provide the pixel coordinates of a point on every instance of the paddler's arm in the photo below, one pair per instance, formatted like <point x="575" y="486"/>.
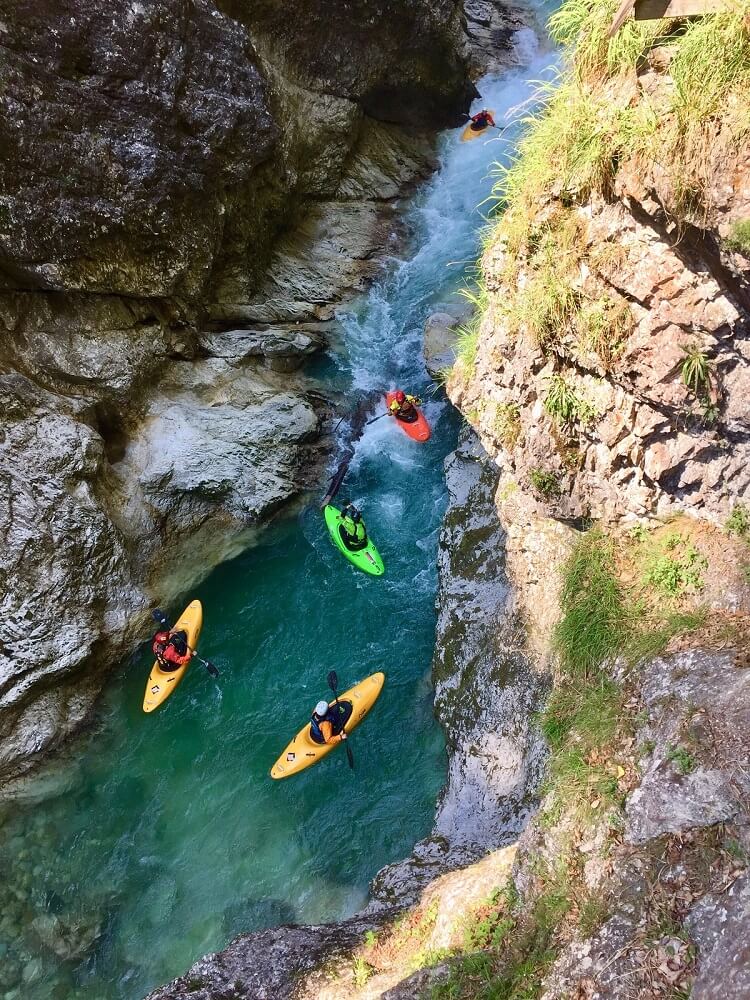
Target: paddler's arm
<point x="326" y="729"/>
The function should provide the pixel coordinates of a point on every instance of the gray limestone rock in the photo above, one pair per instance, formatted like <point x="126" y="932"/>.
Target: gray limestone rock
<point x="720" y="926"/>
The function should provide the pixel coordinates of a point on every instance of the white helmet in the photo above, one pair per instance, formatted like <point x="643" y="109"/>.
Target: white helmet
<point x="321" y="708"/>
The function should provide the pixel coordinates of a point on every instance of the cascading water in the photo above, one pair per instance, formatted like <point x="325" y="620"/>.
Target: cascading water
<point x="170" y="838"/>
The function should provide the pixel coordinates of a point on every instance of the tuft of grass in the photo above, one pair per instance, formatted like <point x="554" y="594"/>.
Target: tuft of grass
<point x="675" y="567"/>
<point x="507" y="424"/>
<point x="592" y="627"/>
<point x="738" y="522"/>
<point x="362" y="972"/>
<point x="545" y="483"/>
<point x="468" y="333"/>
<point x="565" y="405"/>
<point x="696" y="371"/>
<point x="684" y="761"/>
<point x="739" y="237"/>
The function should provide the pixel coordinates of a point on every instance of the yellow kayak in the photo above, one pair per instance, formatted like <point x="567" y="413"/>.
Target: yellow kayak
<point x="161" y="684"/>
<point x="303" y="752"/>
<point x="470" y="133"/>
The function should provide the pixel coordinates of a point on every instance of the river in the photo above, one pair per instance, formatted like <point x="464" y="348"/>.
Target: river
<point x="167" y="837"/>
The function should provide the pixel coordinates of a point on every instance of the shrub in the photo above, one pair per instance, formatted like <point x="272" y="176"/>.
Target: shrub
<point x="696" y="370"/>
<point x="545" y="483"/>
<point x="565" y="405"/>
<point x="739" y="237"/>
<point x="738" y="522"/>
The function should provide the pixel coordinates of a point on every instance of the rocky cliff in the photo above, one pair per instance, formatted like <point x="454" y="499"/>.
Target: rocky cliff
<point x="186" y="192"/>
<point x="593" y="838"/>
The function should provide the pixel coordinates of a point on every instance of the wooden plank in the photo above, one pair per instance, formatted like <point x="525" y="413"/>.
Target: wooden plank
<point x="651" y="10"/>
<point x="623" y="13"/>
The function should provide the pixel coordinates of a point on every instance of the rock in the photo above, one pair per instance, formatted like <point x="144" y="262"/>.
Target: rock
<point x="720" y="926"/>
<point x="284" y="348"/>
<point x="485" y="688"/>
<point x="439" y="345"/>
<point x="267" y="965"/>
<point x="67" y="936"/>
<point x="684" y="695"/>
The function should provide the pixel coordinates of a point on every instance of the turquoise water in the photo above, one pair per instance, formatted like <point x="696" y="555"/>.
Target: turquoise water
<point x="170" y="838"/>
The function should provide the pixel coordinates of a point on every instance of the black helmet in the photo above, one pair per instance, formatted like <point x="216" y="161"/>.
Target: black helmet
<point x="356" y="515"/>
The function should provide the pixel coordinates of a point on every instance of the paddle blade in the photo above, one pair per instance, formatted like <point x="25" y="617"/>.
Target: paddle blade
<point x="158" y="615"/>
<point x="212" y="669"/>
<point x="333" y="681"/>
<point x="349" y="755"/>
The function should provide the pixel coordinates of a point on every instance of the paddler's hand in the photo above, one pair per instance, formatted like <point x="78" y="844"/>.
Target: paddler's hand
<point x="343" y="736"/>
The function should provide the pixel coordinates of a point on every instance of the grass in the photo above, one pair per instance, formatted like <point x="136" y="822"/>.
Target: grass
<point x="545" y="483"/>
<point x="675" y="566"/>
<point x="582" y="128"/>
<point x="683" y="760"/>
<point x="696" y="371"/>
<point x="564" y="405"/>
<point x="739" y="237"/>
<point x="506" y="424"/>
<point x="592" y="627"/>
<point x="738" y="522"/>
<point x="468" y="333"/>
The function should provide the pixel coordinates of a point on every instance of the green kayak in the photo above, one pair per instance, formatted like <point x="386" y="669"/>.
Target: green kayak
<point x="367" y="559"/>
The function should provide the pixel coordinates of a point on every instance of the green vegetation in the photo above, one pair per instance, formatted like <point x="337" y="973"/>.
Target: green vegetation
<point x="507" y="424"/>
<point x="545" y="483"/>
<point x="593" y="624"/>
<point x="565" y="405"/>
<point x="510" y="942"/>
<point x="738" y="522"/>
<point x="683" y="759"/>
<point x="675" y="566"/>
<point x="362" y="972"/>
<point x="739" y="237"/>
<point x="696" y="371"/>
<point x="468" y="333"/>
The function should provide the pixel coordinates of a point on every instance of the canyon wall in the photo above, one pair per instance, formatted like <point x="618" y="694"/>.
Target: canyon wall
<point x="187" y="190"/>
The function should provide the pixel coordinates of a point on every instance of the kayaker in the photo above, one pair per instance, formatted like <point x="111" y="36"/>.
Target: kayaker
<point x="404" y="406"/>
<point x="353" y="529"/>
<point x="171" y="650"/>
<point x="482" y="120"/>
<point x="326" y="724"/>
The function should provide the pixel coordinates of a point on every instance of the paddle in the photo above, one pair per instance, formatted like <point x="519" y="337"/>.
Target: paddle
<point x="162" y="619"/>
<point x="380" y="417"/>
<point x="333" y="683"/>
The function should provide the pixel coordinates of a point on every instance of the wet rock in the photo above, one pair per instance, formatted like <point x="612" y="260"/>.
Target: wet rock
<point x="68" y="936"/>
<point x="485" y="688"/>
<point x="440" y="339"/>
<point x="720" y="926"/>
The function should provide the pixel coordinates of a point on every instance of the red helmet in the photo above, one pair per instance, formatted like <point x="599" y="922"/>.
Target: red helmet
<point x="400" y="396"/>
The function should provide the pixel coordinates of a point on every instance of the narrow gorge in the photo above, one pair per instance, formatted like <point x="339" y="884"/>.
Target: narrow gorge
<point x="228" y="227"/>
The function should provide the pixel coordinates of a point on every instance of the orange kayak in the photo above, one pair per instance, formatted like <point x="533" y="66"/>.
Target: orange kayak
<point x="417" y="430"/>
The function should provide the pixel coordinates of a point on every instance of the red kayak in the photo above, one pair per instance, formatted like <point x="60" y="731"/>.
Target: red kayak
<point x="418" y="430"/>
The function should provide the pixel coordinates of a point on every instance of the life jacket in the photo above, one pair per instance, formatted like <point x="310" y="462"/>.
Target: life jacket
<point x="178" y="641"/>
<point x="353" y="533"/>
<point x="337" y="715"/>
<point x="159" y="644"/>
<point x="315" y="731"/>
